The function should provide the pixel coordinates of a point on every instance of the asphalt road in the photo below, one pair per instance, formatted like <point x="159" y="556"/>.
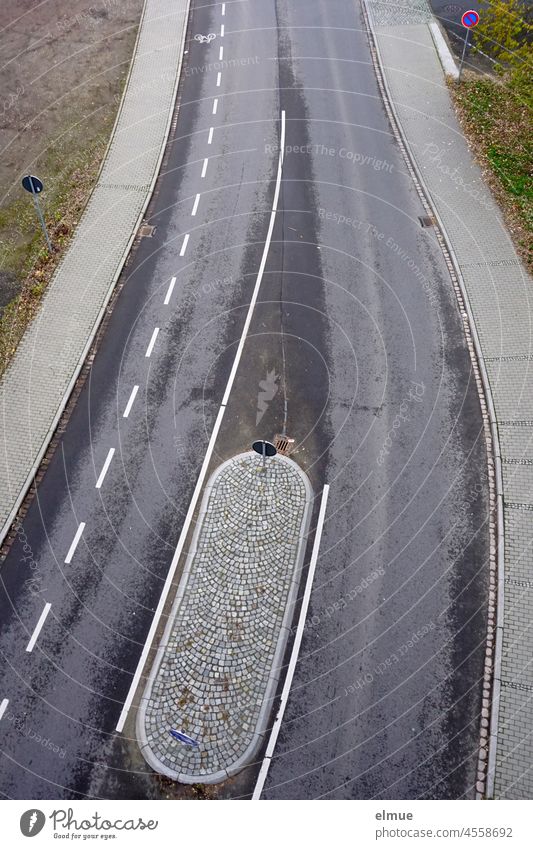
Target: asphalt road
<point x="358" y="337"/>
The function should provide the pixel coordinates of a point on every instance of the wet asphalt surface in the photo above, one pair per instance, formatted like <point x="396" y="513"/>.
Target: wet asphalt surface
<point x="358" y="328"/>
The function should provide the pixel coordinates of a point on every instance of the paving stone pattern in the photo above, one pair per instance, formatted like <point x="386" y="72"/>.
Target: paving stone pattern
<point x="34" y="389"/>
<point x="223" y="652"/>
<point x="501" y="297"/>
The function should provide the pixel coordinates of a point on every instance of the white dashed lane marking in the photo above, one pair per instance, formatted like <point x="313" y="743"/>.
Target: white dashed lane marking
<point x="184" y="245"/>
<point x="222" y="31"/>
<point x="170" y="290"/>
<point x="39" y="626"/>
<point x="219" y="79"/>
<point x="75" y="542"/>
<point x="3" y="706"/>
<point x="215" y="105"/>
<point x="210" y="137"/>
<point x="204" y="167"/>
<point x="221" y="53"/>
<point x="150" y="347"/>
<point x="195" y="206"/>
<point x="129" y="405"/>
<point x="107" y="463"/>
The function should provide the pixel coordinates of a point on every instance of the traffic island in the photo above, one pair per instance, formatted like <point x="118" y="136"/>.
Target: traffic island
<point x="207" y="702"/>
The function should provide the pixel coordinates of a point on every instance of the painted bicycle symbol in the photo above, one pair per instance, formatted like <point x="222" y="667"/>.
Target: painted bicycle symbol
<point x="205" y="39"/>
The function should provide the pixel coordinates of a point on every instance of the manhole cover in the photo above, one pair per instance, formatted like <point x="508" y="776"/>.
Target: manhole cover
<point x="284" y="444"/>
<point x="146" y="230"/>
<point x="426" y="221"/>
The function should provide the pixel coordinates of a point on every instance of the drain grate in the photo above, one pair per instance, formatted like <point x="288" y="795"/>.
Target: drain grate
<point x="284" y="444"/>
<point x="426" y="221"/>
<point x="146" y="230"/>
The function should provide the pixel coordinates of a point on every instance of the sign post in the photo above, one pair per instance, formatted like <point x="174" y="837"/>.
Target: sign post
<point x="469" y="20"/>
<point x="265" y="449"/>
<point x="34" y="186"/>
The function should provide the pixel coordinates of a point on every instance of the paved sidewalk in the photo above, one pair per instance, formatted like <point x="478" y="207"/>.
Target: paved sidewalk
<point x="219" y="661"/>
<point x="36" y="386"/>
<point x="499" y="294"/>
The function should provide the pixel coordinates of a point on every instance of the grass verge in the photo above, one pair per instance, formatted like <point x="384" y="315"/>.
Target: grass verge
<point x="496" y="119"/>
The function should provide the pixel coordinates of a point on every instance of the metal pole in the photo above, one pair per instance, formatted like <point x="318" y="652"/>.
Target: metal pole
<point x="463" y="56"/>
<point x="264" y="454"/>
<point x="41" y="217"/>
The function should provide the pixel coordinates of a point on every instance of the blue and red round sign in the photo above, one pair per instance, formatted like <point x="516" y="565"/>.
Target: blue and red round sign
<point x="470" y="19"/>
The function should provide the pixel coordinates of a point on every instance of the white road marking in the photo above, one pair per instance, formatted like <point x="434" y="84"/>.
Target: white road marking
<point x="204" y="167"/>
<point x="129" y="405"/>
<point x="75" y="542"/>
<point x="184" y="245"/>
<point x="221" y="53"/>
<point x="295" y="649"/>
<point x="106" y="465"/>
<point x="215" y="105"/>
<point x="219" y="79"/>
<point x="222" y="31"/>
<point x="150" y="347"/>
<point x="39" y="626"/>
<point x="3" y="706"/>
<point x="170" y="290"/>
<point x="223" y="9"/>
<point x="195" y="205"/>
<point x="210" y="137"/>
<point x="208" y="454"/>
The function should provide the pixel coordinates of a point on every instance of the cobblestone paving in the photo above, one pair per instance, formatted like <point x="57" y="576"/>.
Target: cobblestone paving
<point x="224" y="643"/>
<point x="500" y="294"/>
<point x="33" y="390"/>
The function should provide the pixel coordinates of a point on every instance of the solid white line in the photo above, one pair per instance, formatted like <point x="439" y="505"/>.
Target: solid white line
<point x="170" y="290"/>
<point x="204" y="167"/>
<point x="219" y="79"/>
<point x="195" y="205"/>
<point x="207" y="459"/>
<point x="215" y="105"/>
<point x="223" y="9"/>
<point x="3" y="706"/>
<point x="38" y="627"/>
<point x="150" y="347"/>
<point x="261" y="267"/>
<point x="295" y="649"/>
<point x="210" y="137"/>
<point x="222" y="31"/>
<point x="184" y="245"/>
<point x="107" y="463"/>
<point x="221" y="53"/>
<point x="75" y="542"/>
<point x="129" y="405"/>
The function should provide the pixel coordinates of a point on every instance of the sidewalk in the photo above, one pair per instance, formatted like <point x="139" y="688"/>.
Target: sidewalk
<point x="498" y="296"/>
<point x="35" y="389"/>
<point x="217" y="667"/>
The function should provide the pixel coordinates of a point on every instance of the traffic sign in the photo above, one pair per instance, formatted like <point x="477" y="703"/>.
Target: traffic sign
<point x="35" y="186"/>
<point x="32" y="184"/>
<point x="470" y="19"/>
<point x="265" y="449"/>
<point x="184" y="738"/>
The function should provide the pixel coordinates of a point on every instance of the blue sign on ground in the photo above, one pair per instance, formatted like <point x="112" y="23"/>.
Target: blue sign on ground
<point x="184" y="738"/>
<point x="470" y="19"/>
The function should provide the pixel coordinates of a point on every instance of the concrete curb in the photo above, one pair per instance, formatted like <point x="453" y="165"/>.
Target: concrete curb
<point x="91" y="338"/>
<point x="275" y="675"/>
<point x="445" y="55"/>
<point x="492" y="666"/>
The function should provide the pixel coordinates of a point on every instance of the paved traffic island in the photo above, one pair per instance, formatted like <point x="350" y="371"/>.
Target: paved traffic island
<point x="220" y="659"/>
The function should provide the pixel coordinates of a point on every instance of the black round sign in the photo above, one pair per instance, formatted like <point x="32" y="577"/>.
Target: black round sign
<point x="32" y="184"/>
<point x="264" y="448"/>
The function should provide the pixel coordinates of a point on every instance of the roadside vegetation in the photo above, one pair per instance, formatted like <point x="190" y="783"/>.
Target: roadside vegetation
<point x="496" y="110"/>
<point x="63" y="75"/>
